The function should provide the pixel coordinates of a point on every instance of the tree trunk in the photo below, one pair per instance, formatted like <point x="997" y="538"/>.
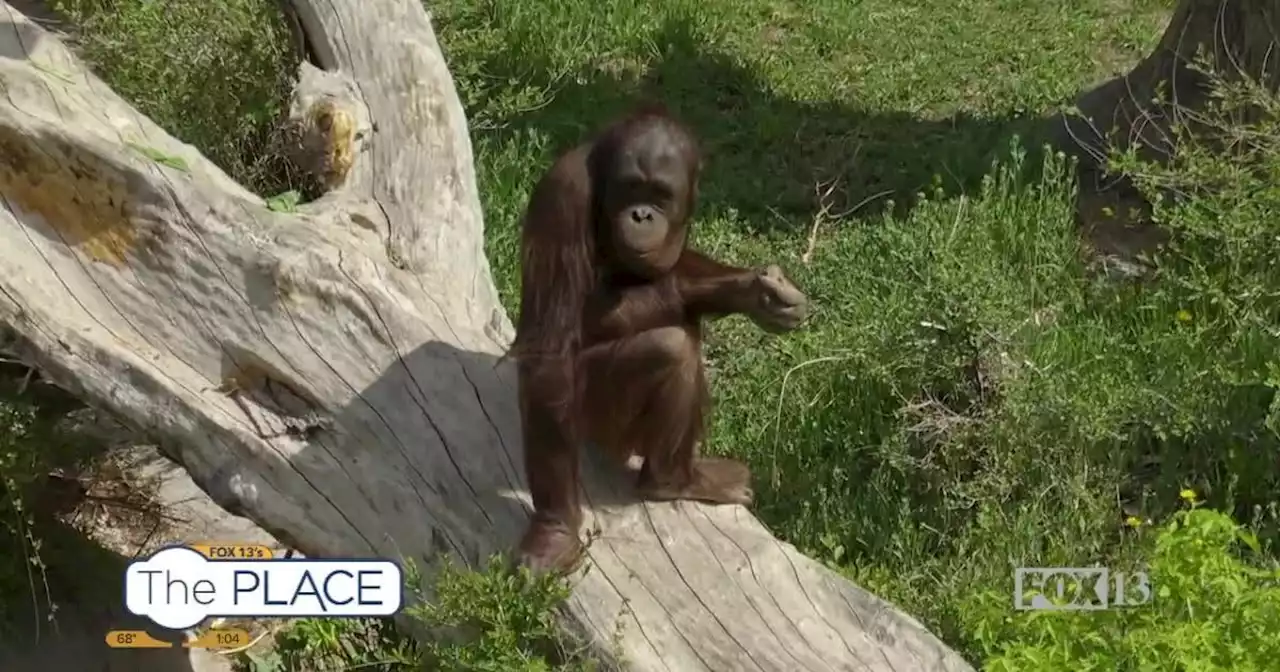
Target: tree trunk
<point x="333" y="373"/>
<point x="1236" y="37"/>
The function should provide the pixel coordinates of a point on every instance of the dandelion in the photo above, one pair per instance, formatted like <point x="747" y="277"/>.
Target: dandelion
<point x="1184" y="316"/>
<point x="1133" y="521"/>
<point x="1188" y="494"/>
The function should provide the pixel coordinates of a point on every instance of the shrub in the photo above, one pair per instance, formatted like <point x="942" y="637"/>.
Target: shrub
<point x="1212" y="608"/>
<point x="494" y="619"/>
<point x="32" y="444"/>
<point x="1210" y="410"/>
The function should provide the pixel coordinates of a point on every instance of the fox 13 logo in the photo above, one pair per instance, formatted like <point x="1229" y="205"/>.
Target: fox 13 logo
<point x="1078" y="588"/>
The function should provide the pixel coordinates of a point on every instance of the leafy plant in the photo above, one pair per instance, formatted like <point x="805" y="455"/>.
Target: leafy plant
<point x="1216" y="606"/>
<point x="490" y="620"/>
<point x="31" y="446"/>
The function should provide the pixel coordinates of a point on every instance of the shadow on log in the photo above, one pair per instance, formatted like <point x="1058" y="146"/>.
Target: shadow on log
<point x="332" y="373"/>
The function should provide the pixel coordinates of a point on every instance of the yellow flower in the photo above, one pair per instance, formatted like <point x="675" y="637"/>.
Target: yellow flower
<point x="1188" y="494"/>
<point x="1184" y="315"/>
<point x="1133" y="521"/>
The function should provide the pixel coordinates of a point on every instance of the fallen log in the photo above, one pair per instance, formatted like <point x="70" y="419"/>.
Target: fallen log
<point x="332" y="372"/>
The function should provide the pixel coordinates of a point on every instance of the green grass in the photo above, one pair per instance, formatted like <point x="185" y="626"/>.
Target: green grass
<point x="216" y="75"/>
<point x="1205" y="610"/>
<point x="785" y="95"/>
<point x="926" y="461"/>
<point x="967" y="398"/>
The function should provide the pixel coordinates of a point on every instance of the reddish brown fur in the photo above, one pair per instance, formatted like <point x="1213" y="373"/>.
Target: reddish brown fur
<point x="610" y="353"/>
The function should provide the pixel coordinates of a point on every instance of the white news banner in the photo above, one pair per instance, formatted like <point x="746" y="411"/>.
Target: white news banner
<point x="178" y="587"/>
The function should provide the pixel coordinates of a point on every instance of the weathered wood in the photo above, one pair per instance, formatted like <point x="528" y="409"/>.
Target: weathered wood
<point x="333" y="373"/>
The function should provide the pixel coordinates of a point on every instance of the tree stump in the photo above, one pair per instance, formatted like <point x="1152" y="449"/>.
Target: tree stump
<point x="1137" y="109"/>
